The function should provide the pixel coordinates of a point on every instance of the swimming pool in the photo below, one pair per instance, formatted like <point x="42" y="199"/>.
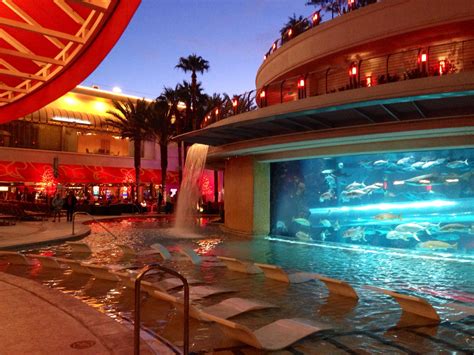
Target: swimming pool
<point x="372" y="324"/>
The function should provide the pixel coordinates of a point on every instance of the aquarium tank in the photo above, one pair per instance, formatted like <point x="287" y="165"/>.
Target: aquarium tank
<point x="419" y="202"/>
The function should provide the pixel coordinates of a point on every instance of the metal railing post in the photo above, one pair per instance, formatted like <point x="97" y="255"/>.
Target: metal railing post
<point x="136" y="325"/>
<point x="95" y="220"/>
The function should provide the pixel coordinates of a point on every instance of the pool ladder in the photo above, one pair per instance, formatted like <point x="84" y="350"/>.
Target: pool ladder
<point x="136" y="323"/>
<point x="95" y="220"/>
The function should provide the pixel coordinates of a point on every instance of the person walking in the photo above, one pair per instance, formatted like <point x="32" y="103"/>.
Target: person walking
<point x="71" y="201"/>
<point x="57" y="204"/>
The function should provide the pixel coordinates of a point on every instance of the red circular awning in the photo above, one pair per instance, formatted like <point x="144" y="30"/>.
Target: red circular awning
<point x="48" y="47"/>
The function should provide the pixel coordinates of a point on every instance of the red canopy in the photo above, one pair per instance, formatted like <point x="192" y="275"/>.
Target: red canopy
<point x="48" y="47"/>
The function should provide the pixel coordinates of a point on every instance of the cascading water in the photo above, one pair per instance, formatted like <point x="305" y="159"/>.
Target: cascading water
<point x="189" y="193"/>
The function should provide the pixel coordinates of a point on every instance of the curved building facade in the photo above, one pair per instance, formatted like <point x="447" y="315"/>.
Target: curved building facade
<point x="364" y="132"/>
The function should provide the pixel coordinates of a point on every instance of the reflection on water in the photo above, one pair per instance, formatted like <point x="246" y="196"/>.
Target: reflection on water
<point x="371" y="325"/>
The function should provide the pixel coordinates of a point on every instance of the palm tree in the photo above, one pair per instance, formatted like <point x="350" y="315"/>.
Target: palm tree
<point x="174" y="97"/>
<point x="194" y="64"/>
<point x="245" y="103"/>
<point x="296" y="24"/>
<point x="161" y="127"/>
<point x="132" y="119"/>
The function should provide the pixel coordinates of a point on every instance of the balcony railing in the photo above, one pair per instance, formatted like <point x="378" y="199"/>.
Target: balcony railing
<point x="439" y="60"/>
<point x="314" y="20"/>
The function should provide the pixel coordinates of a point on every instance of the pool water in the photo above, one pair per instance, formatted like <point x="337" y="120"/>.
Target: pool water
<point x="371" y="325"/>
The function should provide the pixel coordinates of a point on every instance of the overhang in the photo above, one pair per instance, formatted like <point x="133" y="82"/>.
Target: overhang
<point x="418" y="100"/>
<point x="47" y="49"/>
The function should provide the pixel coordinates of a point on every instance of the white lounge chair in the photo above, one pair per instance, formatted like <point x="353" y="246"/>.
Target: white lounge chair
<point x="272" y="337"/>
<point x="79" y="247"/>
<point x="411" y="304"/>
<point x="199" y="292"/>
<point x="16" y="258"/>
<point x="338" y="287"/>
<point x="239" y="265"/>
<point x="277" y="273"/>
<point x="75" y="265"/>
<point x="197" y="259"/>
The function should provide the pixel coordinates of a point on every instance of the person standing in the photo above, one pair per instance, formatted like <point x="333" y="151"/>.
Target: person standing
<point x="71" y="201"/>
<point x="57" y="205"/>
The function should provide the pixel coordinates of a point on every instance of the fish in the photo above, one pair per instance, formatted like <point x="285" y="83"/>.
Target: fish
<point x="355" y="186"/>
<point x="328" y="195"/>
<point x="418" y="164"/>
<point x="436" y="244"/>
<point x="405" y="161"/>
<point x="453" y="227"/>
<point x="303" y="236"/>
<point x="336" y="226"/>
<point x="447" y="237"/>
<point x="380" y="163"/>
<point x="340" y="165"/>
<point x="373" y="187"/>
<point x="355" y="233"/>
<point x="424" y="180"/>
<point x="325" y="223"/>
<point x="330" y="180"/>
<point x="402" y="235"/>
<point x="302" y="221"/>
<point x="456" y="164"/>
<point x="431" y="163"/>
<point x="353" y="194"/>
<point x="327" y="171"/>
<point x="387" y="216"/>
<point x="281" y="226"/>
<point x="410" y="228"/>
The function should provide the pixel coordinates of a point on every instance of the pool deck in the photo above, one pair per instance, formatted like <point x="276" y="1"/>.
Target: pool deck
<point x="39" y="320"/>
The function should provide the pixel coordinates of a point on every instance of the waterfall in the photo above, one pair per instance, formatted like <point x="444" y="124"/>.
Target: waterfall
<point x="189" y="193"/>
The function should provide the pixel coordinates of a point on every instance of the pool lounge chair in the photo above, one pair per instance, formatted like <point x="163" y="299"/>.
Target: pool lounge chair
<point x="240" y="266"/>
<point x="199" y="292"/>
<point x="79" y="247"/>
<point x="338" y="287"/>
<point x="197" y="259"/>
<point x="411" y="304"/>
<point x="277" y="273"/>
<point x="75" y="265"/>
<point x="15" y="258"/>
<point x="103" y="272"/>
<point x="272" y="337"/>
<point x="161" y="249"/>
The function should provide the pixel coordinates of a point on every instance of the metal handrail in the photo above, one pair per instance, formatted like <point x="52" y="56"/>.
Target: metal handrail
<point x="136" y="326"/>
<point x="95" y="220"/>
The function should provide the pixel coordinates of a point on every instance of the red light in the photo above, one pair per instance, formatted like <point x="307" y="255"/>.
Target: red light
<point x="315" y="17"/>
<point x="424" y="57"/>
<point x="262" y="94"/>
<point x="234" y="102"/>
<point x="301" y="83"/>
<point x="369" y="81"/>
<point x="290" y="32"/>
<point x="274" y="46"/>
<point x="217" y="111"/>
<point x="350" y="2"/>
<point x="353" y="71"/>
<point x="429" y="188"/>
<point x="442" y="67"/>
<point x="265" y="57"/>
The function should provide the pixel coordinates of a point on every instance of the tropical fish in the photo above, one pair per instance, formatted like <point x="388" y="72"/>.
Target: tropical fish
<point x="330" y="180"/>
<point x="302" y="221"/>
<point x="410" y="228"/>
<point x="281" y="226"/>
<point x="355" y="233"/>
<point x="402" y="235"/>
<point x="325" y="223"/>
<point x="456" y="164"/>
<point x="436" y="244"/>
<point x="374" y="187"/>
<point x="355" y="186"/>
<point x="424" y="180"/>
<point x="405" y="161"/>
<point x="303" y="236"/>
<point x="327" y="171"/>
<point x="386" y="216"/>
<point x="431" y="163"/>
<point x="453" y="227"/>
<point x="328" y="195"/>
<point x="353" y="194"/>
<point x="418" y="164"/>
<point x="340" y="165"/>
<point x="336" y="226"/>
<point x="380" y="163"/>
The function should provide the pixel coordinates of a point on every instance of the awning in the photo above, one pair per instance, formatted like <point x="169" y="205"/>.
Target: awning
<point x="49" y="47"/>
<point x="70" y="118"/>
<point x="80" y="174"/>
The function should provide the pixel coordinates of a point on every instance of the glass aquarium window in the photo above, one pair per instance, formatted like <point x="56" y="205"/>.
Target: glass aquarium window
<point x="421" y="202"/>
